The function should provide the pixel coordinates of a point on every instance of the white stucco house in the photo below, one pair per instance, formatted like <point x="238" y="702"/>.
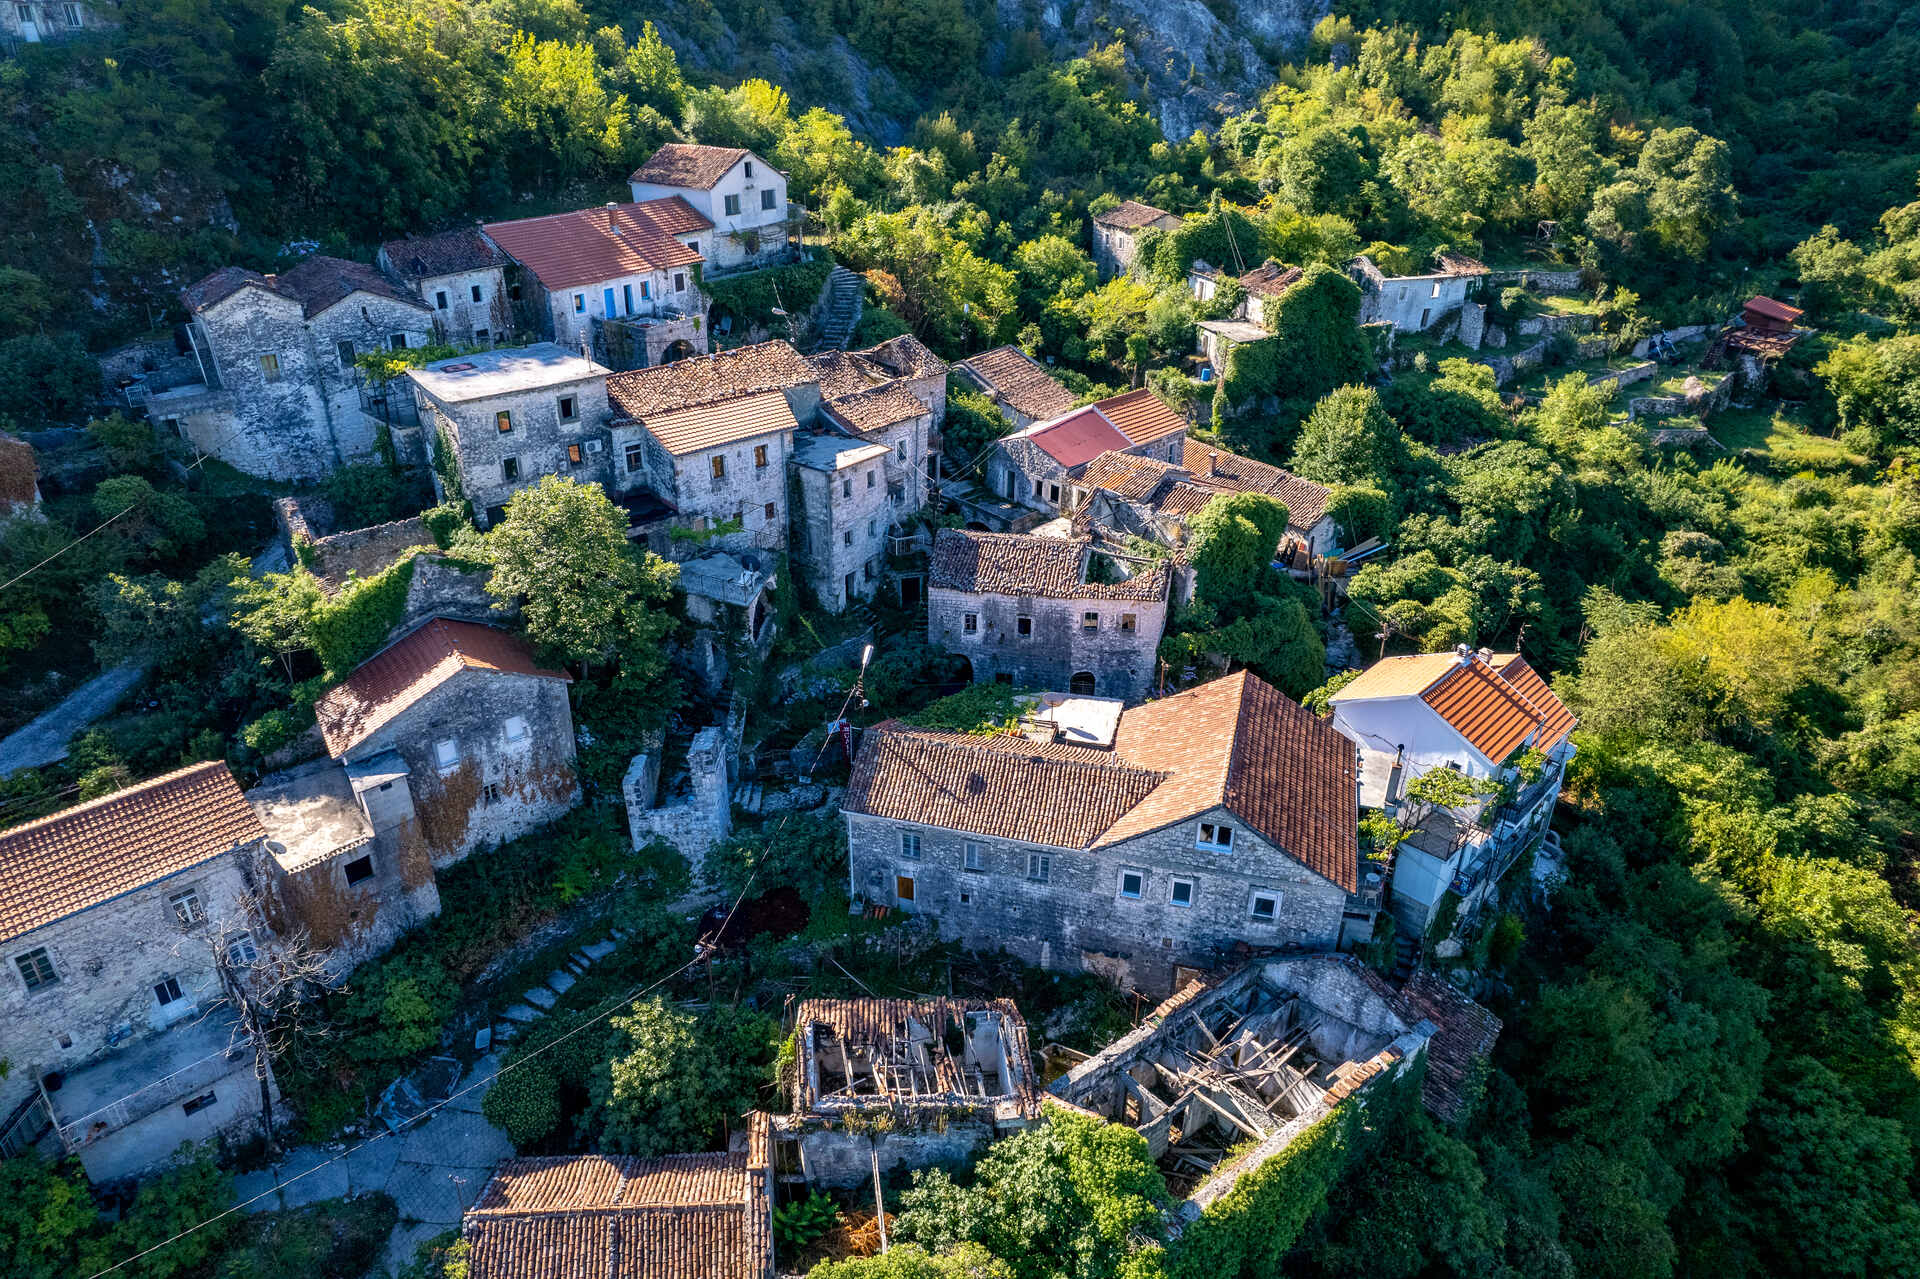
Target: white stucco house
<point x="743" y="196"/>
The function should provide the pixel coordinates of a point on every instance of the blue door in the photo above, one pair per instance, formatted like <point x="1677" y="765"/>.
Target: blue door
<point x="627" y="291"/>
<point x="606" y="296"/>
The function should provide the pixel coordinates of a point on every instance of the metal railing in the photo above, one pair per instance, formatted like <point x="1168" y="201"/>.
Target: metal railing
<point x="144" y="1101"/>
<point x="29" y="1122"/>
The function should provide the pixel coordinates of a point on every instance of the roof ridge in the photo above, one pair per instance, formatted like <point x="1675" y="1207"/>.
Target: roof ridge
<point x="125" y="792"/>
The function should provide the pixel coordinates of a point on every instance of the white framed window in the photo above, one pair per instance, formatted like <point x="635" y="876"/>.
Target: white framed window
<point x="1214" y="835"/>
<point x="910" y="844"/>
<point x="636" y="458"/>
<point x="970" y="623"/>
<point x="1133" y="882"/>
<point x="446" y="754"/>
<point x="517" y="730"/>
<point x="1181" y="893"/>
<point x="1263" y="905"/>
<point x="241" y="951"/>
<point x="579" y="304"/>
<point x="503" y="421"/>
<point x="36" y="968"/>
<point x="973" y="858"/>
<point x="1436" y="288"/>
<point x="1089" y="621"/>
<point x="187" y="910"/>
<point x="1039" y="867"/>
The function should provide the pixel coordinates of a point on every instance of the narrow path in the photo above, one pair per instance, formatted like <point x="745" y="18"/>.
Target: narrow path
<point x="44" y="741"/>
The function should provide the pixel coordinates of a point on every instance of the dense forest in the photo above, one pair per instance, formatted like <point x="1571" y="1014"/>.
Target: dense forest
<point x="1711" y="1061"/>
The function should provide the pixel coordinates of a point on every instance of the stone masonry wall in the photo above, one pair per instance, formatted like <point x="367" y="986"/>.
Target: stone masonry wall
<point x="1077" y="919"/>
<point x="1121" y="661"/>
<point x="744" y="492"/>
<point x="538" y="441"/>
<point x="844" y="518"/>
<point x="842" y="1160"/>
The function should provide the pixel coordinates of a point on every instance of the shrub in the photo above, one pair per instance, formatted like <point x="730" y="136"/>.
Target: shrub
<point x="270" y="731"/>
<point x="525" y="1103"/>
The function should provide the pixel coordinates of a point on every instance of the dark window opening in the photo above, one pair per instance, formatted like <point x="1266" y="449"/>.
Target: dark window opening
<point x="358" y="869"/>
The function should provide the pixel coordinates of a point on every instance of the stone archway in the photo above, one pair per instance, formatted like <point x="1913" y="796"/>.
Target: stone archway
<point x="677" y="351"/>
<point x="1081" y="684"/>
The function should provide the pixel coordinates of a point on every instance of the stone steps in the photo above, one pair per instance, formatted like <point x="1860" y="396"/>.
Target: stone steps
<point x="538" y="1000"/>
<point x="844" y="297"/>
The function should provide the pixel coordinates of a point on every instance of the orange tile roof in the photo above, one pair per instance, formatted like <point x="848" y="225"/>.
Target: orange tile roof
<point x="1407" y="676"/>
<point x="1020" y="381"/>
<point x="679" y="164"/>
<point x="1078" y="437"/>
<point x="1306" y="502"/>
<point x="1141" y="415"/>
<point x="1131" y="215"/>
<point x="878" y="407"/>
<point x="743" y="370"/>
<point x="1022" y="564"/>
<point x="1557" y="720"/>
<point x="588" y="246"/>
<point x="1493" y="700"/>
<point x="1240" y="744"/>
<point x="97" y="851"/>
<point x="1127" y="475"/>
<point x="1483" y="708"/>
<point x="710" y="426"/>
<point x="396" y="677"/>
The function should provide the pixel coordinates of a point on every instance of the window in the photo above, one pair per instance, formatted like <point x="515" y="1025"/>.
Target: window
<point x="1039" y="867"/>
<point x="346" y="353"/>
<point x="1132" y="884"/>
<point x="574" y="457"/>
<point x="866" y="571"/>
<point x="1264" y="905"/>
<point x="481" y="335"/>
<point x="1128" y="622"/>
<point x="475" y="292"/>
<point x="187" y="909"/>
<point x="719" y="466"/>
<point x="870" y="479"/>
<point x="1424" y="313"/>
<point x="194" y="1105"/>
<point x="749" y="168"/>
<point x="517" y="730"/>
<point x="970" y="623"/>
<point x="73" y="15"/>
<point x="872" y="529"/>
<point x="1003" y="677"/>
<point x="767" y="198"/>
<point x="849" y="586"/>
<point x="679" y="281"/>
<point x="398" y="341"/>
<point x="1182" y="894"/>
<point x="446" y="754"/>
<point x="636" y="456"/>
<point x="971" y="858"/>
<point x="900" y="450"/>
<point x="513" y="290"/>
<point x="579" y="304"/>
<point x="509" y="469"/>
<point x="241" y="951"/>
<point x="1023" y="625"/>
<point x="167" y="991"/>
<point x="626" y="296"/>
<point x="36" y="969"/>
<point x="770" y="513"/>
<point x="732" y="206"/>
<point x="1436" y="289"/>
<point x="760" y="457"/>
<point x="1081" y="684"/>
<point x="846" y="538"/>
<point x="910" y="844"/>
<point x="440" y="300"/>
<point x="903" y="889"/>
<point x="270" y="367"/>
<point x="646" y="292"/>
<point x="1214" y="835"/>
<point x="489" y="795"/>
<point x="695" y="246"/>
<point x="358" y="869"/>
<point x="503" y="421"/>
<point x="569" y="409"/>
<point x="846" y="486"/>
<point x="1089" y="621"/>
<point x="1053" y="493"/>
<point x="966" y="897"/>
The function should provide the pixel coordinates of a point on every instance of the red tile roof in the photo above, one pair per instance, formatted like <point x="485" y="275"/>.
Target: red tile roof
<point x="1018" y="380"/>
<point x="399" y="675"/>
<point x="710" y="426"/>
<point x="1774" y="310"/>
<point x="679" y="164"/>
<point x="878" y="407"/>
<point x="96" y="851"/>
<point x="1078" y="437"/>
<point x="425" y="256"/>
<point x="1141" y="415"/>
<point x="1464" y="1035"/>
<point x="316" y="283"/>
<point x="1556" y="720"/>
<point x="567" y="250"/>
<point x="1128" y="475"/>
<point x="1483" y="708"/>
<point x="706" y="379"/>
<point x="1131" y="215"/>
<point x="1495" y="701"/>
<point x="1022" y="564"/>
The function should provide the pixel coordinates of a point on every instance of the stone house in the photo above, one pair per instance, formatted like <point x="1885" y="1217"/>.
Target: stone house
<point x="1120" y="495"/>
<point x="1221" y="816"/>
<point x="893" y="394"/>
<point x="461" y="275"/>
<point x="712" y="438"/>
<point x="1216" y="340"/>
<point x="281" y="395"/>
<point x="1477" y="713"/>
<point x="742" y="197"/>
<point x="1033" y="611"/>
<point x="501" y="419"/>
<point x="453" y="727"/>
<point x="108" y="1004"/>
<point x="36" y="21"/>
<point x="593" y="1216"/>
<point x="840" y="535"/>
<point x="1019" y="385"/>
<point x="1116" y="234"/>
<point x="949" y="1075"/>
<point x="1036" y="467"/>
<point x="1415" y="303"/>
<point x="619" y="282"/>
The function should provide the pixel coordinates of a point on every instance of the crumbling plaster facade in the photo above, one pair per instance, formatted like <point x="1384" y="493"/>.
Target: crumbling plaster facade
<point x="1119" y="653"/>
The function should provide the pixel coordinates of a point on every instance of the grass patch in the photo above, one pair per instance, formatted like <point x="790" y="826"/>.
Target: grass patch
<point x="1781" y="438"/>
<point x="333" y="1239"/>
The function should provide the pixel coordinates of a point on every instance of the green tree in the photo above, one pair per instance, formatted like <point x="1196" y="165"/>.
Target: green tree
<point x="676" y="1078"/>
<point x="1323" y="170"/>
<point x="911" y="1261"/>
<point x="1349" y="439"/>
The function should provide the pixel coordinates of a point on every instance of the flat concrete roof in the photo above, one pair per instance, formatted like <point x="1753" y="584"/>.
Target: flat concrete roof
<point x="834" y="453"/>
<point x="485" y="374"/>
<point x="1235" y="330"/>
<point x="1079" y="721"/>
<point x="723" y="577"/>
<point x="310" y="814"/>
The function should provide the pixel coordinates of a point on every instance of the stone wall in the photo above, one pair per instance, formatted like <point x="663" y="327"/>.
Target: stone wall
<point x="839" y="1159"/>
<point x="700" y="817"/>
<point x="1540" y="280"/>
<point x="1685" y="333"/>
<point x="1077" y="918"/>
<point x="1701" y="402"/>
<point x="1625" y="377"/>
<point x="1507" y="367"/>
<point x="1551" y="324"/>
<point x="1472" y="325"/>
<point x="841" y="530"/>
<point x="442" y="587"/>
<point x="1120" y="655"/>
<point x="539" y="442"/>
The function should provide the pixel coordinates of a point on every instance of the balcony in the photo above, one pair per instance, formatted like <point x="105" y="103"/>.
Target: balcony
<point x="143" y="1077"/>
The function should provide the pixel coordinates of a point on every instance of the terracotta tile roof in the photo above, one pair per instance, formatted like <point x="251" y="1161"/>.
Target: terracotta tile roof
<point x="879" y="1023"/>
<point x="223" y="284"/>
<point x="1141" y="415"/>
<point x="1238" y="743"/>
<point x="1773" y="310"/>
<point x="406" y="670"/>
<point x="878" y="407"/>
<point x="1131" y="215"/>
<point x="1483" y="708"/>
<point x="1127" y="475"/>
<point x="421" y="257"/>
<point x="320" y="282"/>
<point x="1006" y="787"/>
<point x="1013" y="376"/>
<point x="1464" y="1036"/>
<point x="19" y="473"/>
<point x="1077" y="438"/>
<point x="96" y="851"/>
<point x="1407" y="676"/>
<point x="711" y="426"/>
<point x="678" y="164"/>
<point x="603" y="1217"/>
<point x="1215" y="468"/>
<point x="1270" y="279"/>
<point x="1495" y="701"/>
<point x="1557" y="721"/>
<point x="567" y="250"/>
<point x="841" y="373"/>
<point x="1021" y="564"/>
<point x="1306" y="502"/>
<point x="905" y="356"/>
<point x="1184" y="499"/>
<point x="764" y="366"/>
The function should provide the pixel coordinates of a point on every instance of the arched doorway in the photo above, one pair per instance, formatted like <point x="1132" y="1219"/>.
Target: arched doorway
<point x="677" y="351"/>
<point x="1081" y="684"/>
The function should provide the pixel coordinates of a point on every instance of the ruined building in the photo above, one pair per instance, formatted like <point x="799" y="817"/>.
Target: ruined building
<point x="461" y="276"/>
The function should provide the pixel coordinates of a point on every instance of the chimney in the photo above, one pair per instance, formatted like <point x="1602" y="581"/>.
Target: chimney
<point x="610" y="208"/>
<point x="1486" y="655"/>
<point x="1464" y="653"/>
<point x="1213" y="463"/>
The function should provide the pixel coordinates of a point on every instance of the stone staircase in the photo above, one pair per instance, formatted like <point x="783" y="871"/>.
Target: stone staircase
<point x="1406" y="955"/>
<point x="841" y="303"/>
<point x="538" y="1001"/>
